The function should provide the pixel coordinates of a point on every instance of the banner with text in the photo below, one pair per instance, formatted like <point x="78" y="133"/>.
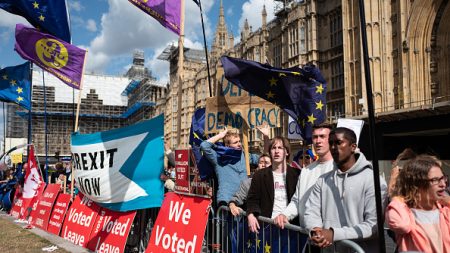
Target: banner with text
<point x="180" y="225"/>
<point x="58" y="214"/>
<point x="236" y="108"/>
<point x="294" y="130"/>
<point x="41" y="215"/>
<point x="80" y="220"/>
<point x="111" y="231"/>
<point x="120" y="169"/>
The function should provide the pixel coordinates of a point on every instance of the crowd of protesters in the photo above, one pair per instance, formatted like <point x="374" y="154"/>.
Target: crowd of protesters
<point x="331" y="196"/>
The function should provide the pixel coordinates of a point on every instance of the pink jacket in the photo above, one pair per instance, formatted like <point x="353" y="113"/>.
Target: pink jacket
<point x="411" y="237"/>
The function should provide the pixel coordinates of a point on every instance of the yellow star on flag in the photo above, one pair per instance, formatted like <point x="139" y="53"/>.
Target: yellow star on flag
<point x="273" y="81"/>
<point x="5" y="77"/>
<point x="41" y="18"/>
<point x="319" y="105"/>
<point x="257" y="243"/>
<point x="267" y="248"/>
<point x="311" y="119"/>
<point x="19" y="90"/>
<point x="281" y="74"/>
<point x="19" y="99"/>
<point x="270" y="94"/>
<point x="319" y="89"/>
<point x="13" y="82"/>
<point x="36" y="5"/>
<point x="296" y="73"/>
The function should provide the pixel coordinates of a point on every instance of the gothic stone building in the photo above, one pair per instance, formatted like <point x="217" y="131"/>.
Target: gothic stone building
<point x="409" y="65"/>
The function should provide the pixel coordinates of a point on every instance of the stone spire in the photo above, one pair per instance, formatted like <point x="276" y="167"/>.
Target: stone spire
<point x="221" y="38"/>
<point x="264" y="17"/>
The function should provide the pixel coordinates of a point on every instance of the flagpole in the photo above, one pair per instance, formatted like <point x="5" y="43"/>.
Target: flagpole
<point x="45" y="131"/>
<point x="72" y="174"/>
<point x="30" y="110"/>
<point x="180" y="71"/>
<point x="4" y="128"/>
<point x="206" y="48"/>
<point x="373" y="150"/>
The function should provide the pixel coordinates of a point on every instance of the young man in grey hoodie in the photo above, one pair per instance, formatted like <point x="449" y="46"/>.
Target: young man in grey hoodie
<point x="342" y="202"/>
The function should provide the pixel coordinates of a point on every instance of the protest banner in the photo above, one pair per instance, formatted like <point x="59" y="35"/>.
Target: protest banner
<point x="79" y="220"/>
<point x="17" y="208"/>
<point x="180" y="225"/>
<point x="111" y="231"/>
<point x="238" y="109"/>
<point x="294" y="130"/>
<point x="40" y="216"/>
<point x="120" y="169"/>
<point x="58" y="213"/>
<point x="187" y="174"/>
<point x="16" y="158"/>
<point x="182" y="170"/>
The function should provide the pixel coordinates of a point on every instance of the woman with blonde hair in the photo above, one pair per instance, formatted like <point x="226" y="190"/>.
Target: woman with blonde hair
<point x="419" y="212"/>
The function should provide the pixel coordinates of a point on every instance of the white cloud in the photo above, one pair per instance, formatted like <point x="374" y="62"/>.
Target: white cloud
<point x="10" y="20"/>
<point x="252" y="10"/>
<point x="125" y="28"/>
<point x="75" y="6"/>
<point x="229" y="11"/>
<point x="91" y="25"/>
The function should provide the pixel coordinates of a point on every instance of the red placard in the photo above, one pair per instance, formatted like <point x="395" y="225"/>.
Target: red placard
<point x="110" y="231"/>
<point x="39" y="217"/>
<point x="17" y="208"/>
<point x="58" y="213"/>
<point x="80" y="220"/>
<point x="180" y="225"/>
<point x="20" y="208"/>
<point x="182" y="170"/>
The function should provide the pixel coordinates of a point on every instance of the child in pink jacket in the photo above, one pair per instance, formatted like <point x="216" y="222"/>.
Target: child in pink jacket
<point x="419" y="212"/>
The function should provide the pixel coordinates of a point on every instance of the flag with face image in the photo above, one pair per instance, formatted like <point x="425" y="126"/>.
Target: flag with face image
<point x="63" y="60"/>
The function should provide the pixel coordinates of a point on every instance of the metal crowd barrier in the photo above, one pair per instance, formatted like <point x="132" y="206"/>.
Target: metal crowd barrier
<point x="232" y="235"/>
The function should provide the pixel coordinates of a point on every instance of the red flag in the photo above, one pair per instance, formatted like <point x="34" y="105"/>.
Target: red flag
<point x="34" y="185"/>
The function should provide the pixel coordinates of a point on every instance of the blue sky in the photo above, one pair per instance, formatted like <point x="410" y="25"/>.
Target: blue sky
<point x="112" y="29"/>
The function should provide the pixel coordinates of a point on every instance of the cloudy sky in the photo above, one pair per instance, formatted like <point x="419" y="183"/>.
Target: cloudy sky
<point x="112" y="29"/>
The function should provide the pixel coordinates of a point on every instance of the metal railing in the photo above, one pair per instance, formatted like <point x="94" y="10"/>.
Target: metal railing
<point x="232" y="235"/>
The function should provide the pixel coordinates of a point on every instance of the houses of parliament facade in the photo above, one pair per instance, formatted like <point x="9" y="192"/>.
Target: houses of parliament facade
<point x="408" y="44"/>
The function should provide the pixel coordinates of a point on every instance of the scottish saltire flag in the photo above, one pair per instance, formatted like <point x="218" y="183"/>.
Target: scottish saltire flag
<point x="15" y="85"/>
<point x="300" y="92"/>
<point x="61" y="59"/>
<point x="48" y="16"/>
<point x="197" y="135"/>
<point x="166" y="12"/>
<point x="120" y="169"/>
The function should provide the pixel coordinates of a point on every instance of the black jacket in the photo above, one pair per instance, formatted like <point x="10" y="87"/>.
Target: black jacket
<point x="261" y="194"/>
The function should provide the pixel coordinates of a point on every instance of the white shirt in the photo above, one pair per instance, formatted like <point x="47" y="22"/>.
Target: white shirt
<point x="308" y="177"/>
<point x="280" y="197"/>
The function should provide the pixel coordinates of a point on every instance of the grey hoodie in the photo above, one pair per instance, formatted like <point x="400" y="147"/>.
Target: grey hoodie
<point x="345" y="201"/>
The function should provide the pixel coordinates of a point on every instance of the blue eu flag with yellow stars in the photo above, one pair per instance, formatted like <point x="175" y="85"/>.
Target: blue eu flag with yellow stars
<point x="15" y="85"/>
<point x="48" y="16"/>
<point x="300" y="92"/>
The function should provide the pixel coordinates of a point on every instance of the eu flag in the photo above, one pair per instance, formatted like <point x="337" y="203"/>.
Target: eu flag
<point x="15" y="85"/>
<point x="48" y="16"/>
<point x="300" y="92"/>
